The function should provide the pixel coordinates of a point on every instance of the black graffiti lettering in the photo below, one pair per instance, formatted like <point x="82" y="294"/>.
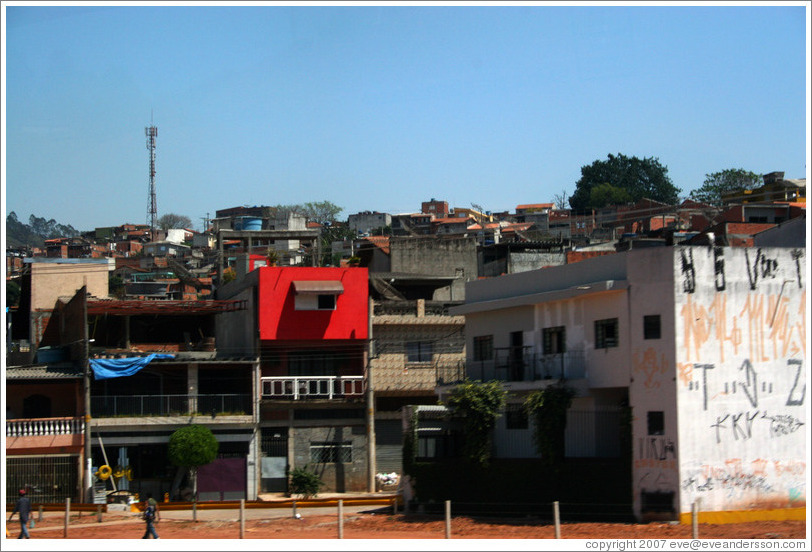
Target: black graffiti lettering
<point x="719" y="268"/>
<point x="719" y="425"/>
<point x="796" y="256"/>
<point x="689" y="284"/>
<point x="750" y="385"/>
<point x="704" y="368"/>
<point x="796" y="399"/>
<point x="746" y="431"/>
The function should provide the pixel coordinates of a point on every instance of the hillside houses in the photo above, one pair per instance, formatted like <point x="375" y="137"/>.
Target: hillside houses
<point x="292" y="363"/>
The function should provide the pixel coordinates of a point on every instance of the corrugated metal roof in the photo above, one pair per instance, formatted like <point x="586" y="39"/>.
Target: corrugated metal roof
<point x="63" y="370"/>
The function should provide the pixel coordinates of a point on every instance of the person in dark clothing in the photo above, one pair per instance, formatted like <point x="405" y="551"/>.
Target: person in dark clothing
<point x="23" y="508"/>
<point x="150" y="514"/>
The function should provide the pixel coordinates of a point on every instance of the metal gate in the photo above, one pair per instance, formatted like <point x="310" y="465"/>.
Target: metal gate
<point x="46" y="479"/>
<point x="274" y="475"/>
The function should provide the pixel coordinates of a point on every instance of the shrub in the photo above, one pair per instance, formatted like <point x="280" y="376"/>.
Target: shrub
<point x="305" y="483"/>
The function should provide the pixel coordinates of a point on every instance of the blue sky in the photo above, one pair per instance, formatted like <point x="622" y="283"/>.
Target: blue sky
<point x="384" y="107"/>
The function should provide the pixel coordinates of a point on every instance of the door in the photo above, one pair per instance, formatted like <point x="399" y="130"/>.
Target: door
<point x="516" y="358"/>
<point x="274" y="461"/>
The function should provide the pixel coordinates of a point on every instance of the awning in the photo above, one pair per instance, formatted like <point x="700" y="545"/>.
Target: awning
<point x="318" y="287"/>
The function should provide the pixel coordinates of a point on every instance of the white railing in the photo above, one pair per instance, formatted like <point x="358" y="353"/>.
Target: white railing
<point x="35" y="427"/>
<point x="312" y="387"/>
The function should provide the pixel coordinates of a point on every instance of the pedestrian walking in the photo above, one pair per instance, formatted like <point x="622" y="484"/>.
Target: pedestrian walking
<point x="23" y="508"/>
<point x="151" y="516"/>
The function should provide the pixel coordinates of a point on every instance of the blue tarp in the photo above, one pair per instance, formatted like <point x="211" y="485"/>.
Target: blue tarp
<point x="106" y="368"/>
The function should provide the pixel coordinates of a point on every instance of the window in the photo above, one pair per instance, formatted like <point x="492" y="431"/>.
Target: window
<point x="651" y="326"/>
<point x="606" y="333"/>
<point x="483" y="347"/>
<point x="516" y="416"/>
<point x="656" y="422"/>
<point x="554" y="340"/>
<point x="316" y="302"/>
<point x="331" y="452"/>
<point x="418" y="351"/>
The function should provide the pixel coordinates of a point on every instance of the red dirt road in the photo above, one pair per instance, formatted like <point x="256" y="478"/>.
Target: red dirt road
<point x="388" y="526"/>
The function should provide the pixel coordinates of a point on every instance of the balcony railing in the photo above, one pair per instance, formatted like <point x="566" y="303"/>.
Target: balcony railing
<point x="522" y="364"/>
<point x="35" y="427"/>
<point x="312" y="387"/>
<point x="169" y="405"/>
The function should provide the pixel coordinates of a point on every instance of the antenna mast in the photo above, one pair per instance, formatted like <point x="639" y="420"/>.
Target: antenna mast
<point x="152" y="205"/>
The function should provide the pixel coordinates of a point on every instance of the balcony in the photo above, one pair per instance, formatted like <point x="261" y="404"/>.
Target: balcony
<point x="107" y="406"/>
<point x="43" y="427"/>
<point x="313" y="387"/>
<point x="521" y="364"/>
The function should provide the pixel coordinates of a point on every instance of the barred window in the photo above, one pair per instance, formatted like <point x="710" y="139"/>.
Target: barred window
<point x="606" y="333"/>
<point x="331" y="452"/>
<point x="554" y="340"/>
<point x="419" y="351"/>
<point x="483" y="347"/>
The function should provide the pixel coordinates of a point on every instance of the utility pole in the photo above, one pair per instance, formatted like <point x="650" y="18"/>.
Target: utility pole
<point x="372" y="457"/>
<point x="86" y="387"/>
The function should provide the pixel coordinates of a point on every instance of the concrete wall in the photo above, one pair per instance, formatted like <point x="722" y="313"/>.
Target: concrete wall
<point x="438" y="257"/>
<point x="52" y="280"/>
<point x="741" y="375"/>
<point x="524" y="261"/>
<point x="236" y="332"/>
<point x="650" y="374"/>
<point x="344" y="477"/>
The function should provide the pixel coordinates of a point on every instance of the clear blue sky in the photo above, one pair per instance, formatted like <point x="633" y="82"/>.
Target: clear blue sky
<point x="384" y="107"/>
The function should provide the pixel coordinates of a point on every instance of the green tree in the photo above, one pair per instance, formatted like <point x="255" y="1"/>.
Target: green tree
<point x="12" y="293"/>
<point x="190" y="447"/>
<point x="548" y="410"/>
<point x="640" y="178"/>
<point x="314" y="211"/>
<point x="728" y="181"/>
<point x="479" y="404"/>
<point x="171" y="220"/>
<point x="606" y="194"/>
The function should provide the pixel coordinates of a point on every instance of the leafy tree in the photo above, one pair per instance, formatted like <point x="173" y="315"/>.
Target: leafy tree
<point x="171" y="220"/>
<point x="318" y="211"/>
<point x="116" y="285"/>
<point x="728" y="181"/>
<point x="190" y="447"/>
<point x="548" y="409"/>
<point x="12" y="293"/>
<point x="640" y="178"/>
<point x="606" y="194"/>
<point x="479" y="404"/>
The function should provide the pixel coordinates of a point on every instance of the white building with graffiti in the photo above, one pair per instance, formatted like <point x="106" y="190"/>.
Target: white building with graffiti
<point x="707" y="345"/>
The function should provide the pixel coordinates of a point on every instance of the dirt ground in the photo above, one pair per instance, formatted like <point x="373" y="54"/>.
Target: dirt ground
<point x="388" y="526"/>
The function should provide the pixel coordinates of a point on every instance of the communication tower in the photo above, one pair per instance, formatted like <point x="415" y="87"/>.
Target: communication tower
<point x="152" y="204"/>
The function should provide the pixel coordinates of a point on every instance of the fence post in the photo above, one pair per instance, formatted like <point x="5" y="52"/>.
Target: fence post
<point x="67" y="517"/>
<point x="41" y="509"/>
<point x="448" y="519"/>
<point x="557" y="519"/>
<point x="98" y="513"/>
<point x="341" y="519"/>
<point x="242" y="518"/>
<point x="194" y="511"/>
<point x="294" y="508"/>
<point x="694" y="520"/>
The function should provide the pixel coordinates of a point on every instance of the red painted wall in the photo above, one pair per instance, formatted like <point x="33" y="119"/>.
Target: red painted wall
<point x="279" y="320"/>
